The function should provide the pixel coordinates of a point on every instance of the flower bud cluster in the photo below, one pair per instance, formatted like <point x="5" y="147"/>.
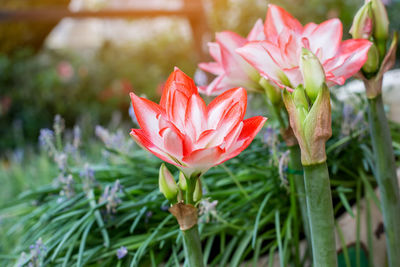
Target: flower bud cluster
<point x="371" y="22"/>
<point x="176" y="192"/>
<point x="310" y="110"/>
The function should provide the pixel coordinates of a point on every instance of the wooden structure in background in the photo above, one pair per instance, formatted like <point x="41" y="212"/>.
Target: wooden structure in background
<point x="15" y="34"/>
<point x="192" y="10"/>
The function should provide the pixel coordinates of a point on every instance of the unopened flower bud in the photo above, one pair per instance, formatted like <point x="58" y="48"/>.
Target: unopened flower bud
<point x="363" y="23"/>
<point x="198" y="191"/>
<point x="381" y="20"/>
<point x="273" y="93"/>
<point x="301" y="114"/>
<point x="167" y="183"/>
<point x="182" y="181"/>
<point x="299" y="97"/>
<point x="313" y="73"/>
<point x="301" y="104"/>
<point x="372" y="63"/>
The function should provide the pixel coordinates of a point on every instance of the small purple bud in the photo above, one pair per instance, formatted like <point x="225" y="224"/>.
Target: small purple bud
<point x="121" y="252"/>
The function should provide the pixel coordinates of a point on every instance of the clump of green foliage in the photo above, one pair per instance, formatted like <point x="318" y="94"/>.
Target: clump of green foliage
<point x="108" y="211"/>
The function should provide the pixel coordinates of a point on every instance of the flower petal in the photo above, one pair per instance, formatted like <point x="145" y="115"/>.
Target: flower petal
<point x="231" y="118"/>
<point x="173" y="144"/>
<point x="147" y="114"/>
<point x="204" y="158"/>
<point x="232" y="63"/>
<point x="212" y="67"/>
<point x="326" y="36"/>
<point x="196" y="116"/>
<point x="176" y="109"/>
<point x="215" y="51"/>
<point x="177" y="81"/>
<point x="260" y="56"/>
<point x="350" y="58"/>
<point x="222" y="103"/>
<point x="141" y="138"/>
<point x="219" y="85"/>
<point x="278" y="20"/>
<point x="257" y="32"/>
<point x="250" y="129"/>
<point x="233" y="136"/>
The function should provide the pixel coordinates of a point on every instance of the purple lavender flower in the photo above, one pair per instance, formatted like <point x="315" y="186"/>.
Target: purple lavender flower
<point x="115" y="140"/>
<point x="46" y="140"/>
<point x="38" y="251"/>
<point x="352" y="120"/>
<point x="207" y="209"/>
<point x="58" y="125"/>
<point x="149" y="214"/>
<point x="87" y="175"/>
<point x="67" y="182"/>
<point x="61" y="160"/>
<point x="76" y="142"/>
<point x="110" y="196"/>
<point x="121" y="252"/>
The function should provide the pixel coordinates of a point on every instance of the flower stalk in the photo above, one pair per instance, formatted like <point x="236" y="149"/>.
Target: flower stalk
<point x="295" y="171"/>
<point x="184" y="210"/>
<point x="379" y="62"/>
<point x="385" y="172"/>
<point x="320" y="212"/>
<point x="191" y="236"/>
<point x="192" y="244"/>
<point x="310" y="118"/>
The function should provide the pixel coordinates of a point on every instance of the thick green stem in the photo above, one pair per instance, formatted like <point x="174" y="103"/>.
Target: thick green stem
<point x="191" y="237"/>
<point x="385" y="171"/>
<point x="192" y="243"/>
<point x="191" y="185"/>
<point x="320" y="214"/>
<point x="296" y="171"/>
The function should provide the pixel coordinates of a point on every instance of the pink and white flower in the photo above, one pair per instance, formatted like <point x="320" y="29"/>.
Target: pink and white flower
<point x="185" y="132"/>
<point x="229" y="67"/>
<point x="277" y="57"/>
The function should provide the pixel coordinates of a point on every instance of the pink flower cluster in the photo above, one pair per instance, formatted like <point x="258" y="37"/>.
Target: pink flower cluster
<point x="274" y="51"/>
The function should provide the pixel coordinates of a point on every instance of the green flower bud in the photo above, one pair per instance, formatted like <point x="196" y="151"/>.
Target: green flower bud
<point x="182" y="181"/>
<point x="301" y="114"/>
<point x="198" y="191"/>
<point x="363" y="23"/>
<point x="372" y="64"/>
<point x="313" y="73"/>
<point x="299" y="97"/>
<point x="317" y="129"/>
<point x="167" y="184"/>
<point x="273" y="93"/>
<point x="381" y="20"/>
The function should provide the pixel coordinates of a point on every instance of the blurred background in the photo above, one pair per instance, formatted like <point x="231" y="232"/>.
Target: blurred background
<point x="66" y="70"/>
<point x="81" y="58"/>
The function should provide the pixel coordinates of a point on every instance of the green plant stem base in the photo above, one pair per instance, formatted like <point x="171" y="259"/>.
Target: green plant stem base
<point x="193" y="249"/>
<point x="320" y="214"/>
<point x="385" y="171"/>
<point x="298" y="177"/>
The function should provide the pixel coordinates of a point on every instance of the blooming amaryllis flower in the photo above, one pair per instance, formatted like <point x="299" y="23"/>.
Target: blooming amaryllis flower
<point x="230" y="68"/>
<point x="185" y="132"/>
<point x="277" y="57"/>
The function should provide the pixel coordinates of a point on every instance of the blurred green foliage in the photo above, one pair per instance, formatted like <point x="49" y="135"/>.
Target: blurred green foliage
<point x="62" y="215"/>
<point x="35" y="87"/>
